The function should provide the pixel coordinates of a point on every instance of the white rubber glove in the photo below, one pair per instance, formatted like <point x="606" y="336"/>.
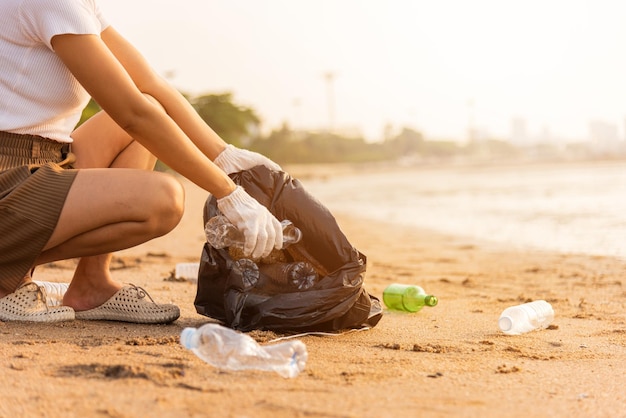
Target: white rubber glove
<point x="260" y="228"/>
<point x="234" y="159"/>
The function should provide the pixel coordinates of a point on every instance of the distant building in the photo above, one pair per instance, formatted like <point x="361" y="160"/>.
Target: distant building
<point x="604" y="137"/>
<point x="545" y="136"/>
<point x="519" y="132"/>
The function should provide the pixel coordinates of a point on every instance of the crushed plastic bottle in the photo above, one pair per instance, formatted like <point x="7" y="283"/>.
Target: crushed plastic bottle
<point x="54" y="291"/>
<point x="526" y="317"/>
<point x="228" y="349"/>
<point x="408" y="298"/>
<point x="221" y="233"/>
<point x="187" y="271"/>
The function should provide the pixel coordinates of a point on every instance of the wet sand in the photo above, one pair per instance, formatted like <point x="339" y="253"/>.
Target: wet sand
<point x="450" y="360"/>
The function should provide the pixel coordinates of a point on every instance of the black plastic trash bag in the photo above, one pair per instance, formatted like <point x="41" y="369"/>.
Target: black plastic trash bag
<point x="336" y="301"/>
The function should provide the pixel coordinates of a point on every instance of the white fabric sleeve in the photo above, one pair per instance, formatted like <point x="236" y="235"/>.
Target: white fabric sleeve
<point x="43" y="19"/>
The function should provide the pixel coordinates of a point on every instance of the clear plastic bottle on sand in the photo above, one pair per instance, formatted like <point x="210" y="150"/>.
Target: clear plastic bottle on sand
<point x="526" y="317"/>
<point x="225" y="348"/>
<point x="54" y="291"/>
<point x="221" y="233"/>
<point x="298" y="275"/>
<point x="408" y="298"/>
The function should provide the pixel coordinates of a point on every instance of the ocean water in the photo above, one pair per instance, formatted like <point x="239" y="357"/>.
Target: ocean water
<point x="564" y="207"/>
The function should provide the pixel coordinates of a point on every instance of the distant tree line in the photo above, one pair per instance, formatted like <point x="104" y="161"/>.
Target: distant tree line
<point x="239" y="125"/>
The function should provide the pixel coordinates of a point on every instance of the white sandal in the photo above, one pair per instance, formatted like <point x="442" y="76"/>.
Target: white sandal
<point x="28" y="303"/>
<point x="129" y="304"/>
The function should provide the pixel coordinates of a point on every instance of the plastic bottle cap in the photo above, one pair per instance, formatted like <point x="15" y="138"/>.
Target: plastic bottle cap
<point x="186" y="337"/>
<point x="431" y="300"/>
<point x="505" y="323"/>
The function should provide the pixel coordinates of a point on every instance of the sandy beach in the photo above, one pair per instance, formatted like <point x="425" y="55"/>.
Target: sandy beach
<point x="447" y="361"/>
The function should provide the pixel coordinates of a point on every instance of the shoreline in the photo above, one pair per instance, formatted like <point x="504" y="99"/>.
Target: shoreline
<point x="565" y="208"/>
<point x="326" y="170"/>
<point x="450" y="360"/>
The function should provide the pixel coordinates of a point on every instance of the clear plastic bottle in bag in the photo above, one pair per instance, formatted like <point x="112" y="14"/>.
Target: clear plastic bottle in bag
<point x="225" y="348"/>
<point x="248" y="270"/>
<point x="221" y="233"/>
<point x="526" y="317"/>
<point x="298" y="275"/>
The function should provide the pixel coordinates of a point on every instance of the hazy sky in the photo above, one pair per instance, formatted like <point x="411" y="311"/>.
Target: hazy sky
<point x="433" y="65"/>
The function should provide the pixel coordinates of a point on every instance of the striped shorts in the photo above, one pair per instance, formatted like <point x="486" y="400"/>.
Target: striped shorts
<point x="34" y="183"/>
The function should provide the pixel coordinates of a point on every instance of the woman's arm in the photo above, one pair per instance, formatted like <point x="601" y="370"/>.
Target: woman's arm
<point x="148" y="81"/>
<point x="231" y="159"/>
<point x="115" y="75"/>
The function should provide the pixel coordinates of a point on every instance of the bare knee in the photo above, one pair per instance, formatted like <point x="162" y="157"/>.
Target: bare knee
<point x="169" y="204"/>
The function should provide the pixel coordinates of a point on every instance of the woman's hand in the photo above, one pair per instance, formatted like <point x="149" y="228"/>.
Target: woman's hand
<point x="260" y="228"/>
<point x="234" y="159"/>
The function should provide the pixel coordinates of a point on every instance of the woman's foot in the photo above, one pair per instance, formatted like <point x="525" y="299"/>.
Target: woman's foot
<point x="82" y="297"/>
<point x="92" y="284"/>
<point x="94" y="295"/>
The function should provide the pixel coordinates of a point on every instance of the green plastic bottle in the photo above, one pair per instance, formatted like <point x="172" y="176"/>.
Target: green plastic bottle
<point x="408" y="298"/>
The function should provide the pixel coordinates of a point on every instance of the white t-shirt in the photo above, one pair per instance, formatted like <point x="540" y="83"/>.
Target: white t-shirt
<point x="38" y="94"/>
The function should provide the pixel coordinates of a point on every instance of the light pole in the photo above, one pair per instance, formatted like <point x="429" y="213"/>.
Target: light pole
<point x="471" y="134"/>
<point x="330" y="78"/>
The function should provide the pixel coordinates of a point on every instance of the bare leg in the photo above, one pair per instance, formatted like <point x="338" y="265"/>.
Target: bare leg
<point x="101" y="143"/>
<point x="126" y="208"/>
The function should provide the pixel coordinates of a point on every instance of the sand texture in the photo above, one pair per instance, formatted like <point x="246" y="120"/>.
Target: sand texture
<point x="449" y="360"/>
